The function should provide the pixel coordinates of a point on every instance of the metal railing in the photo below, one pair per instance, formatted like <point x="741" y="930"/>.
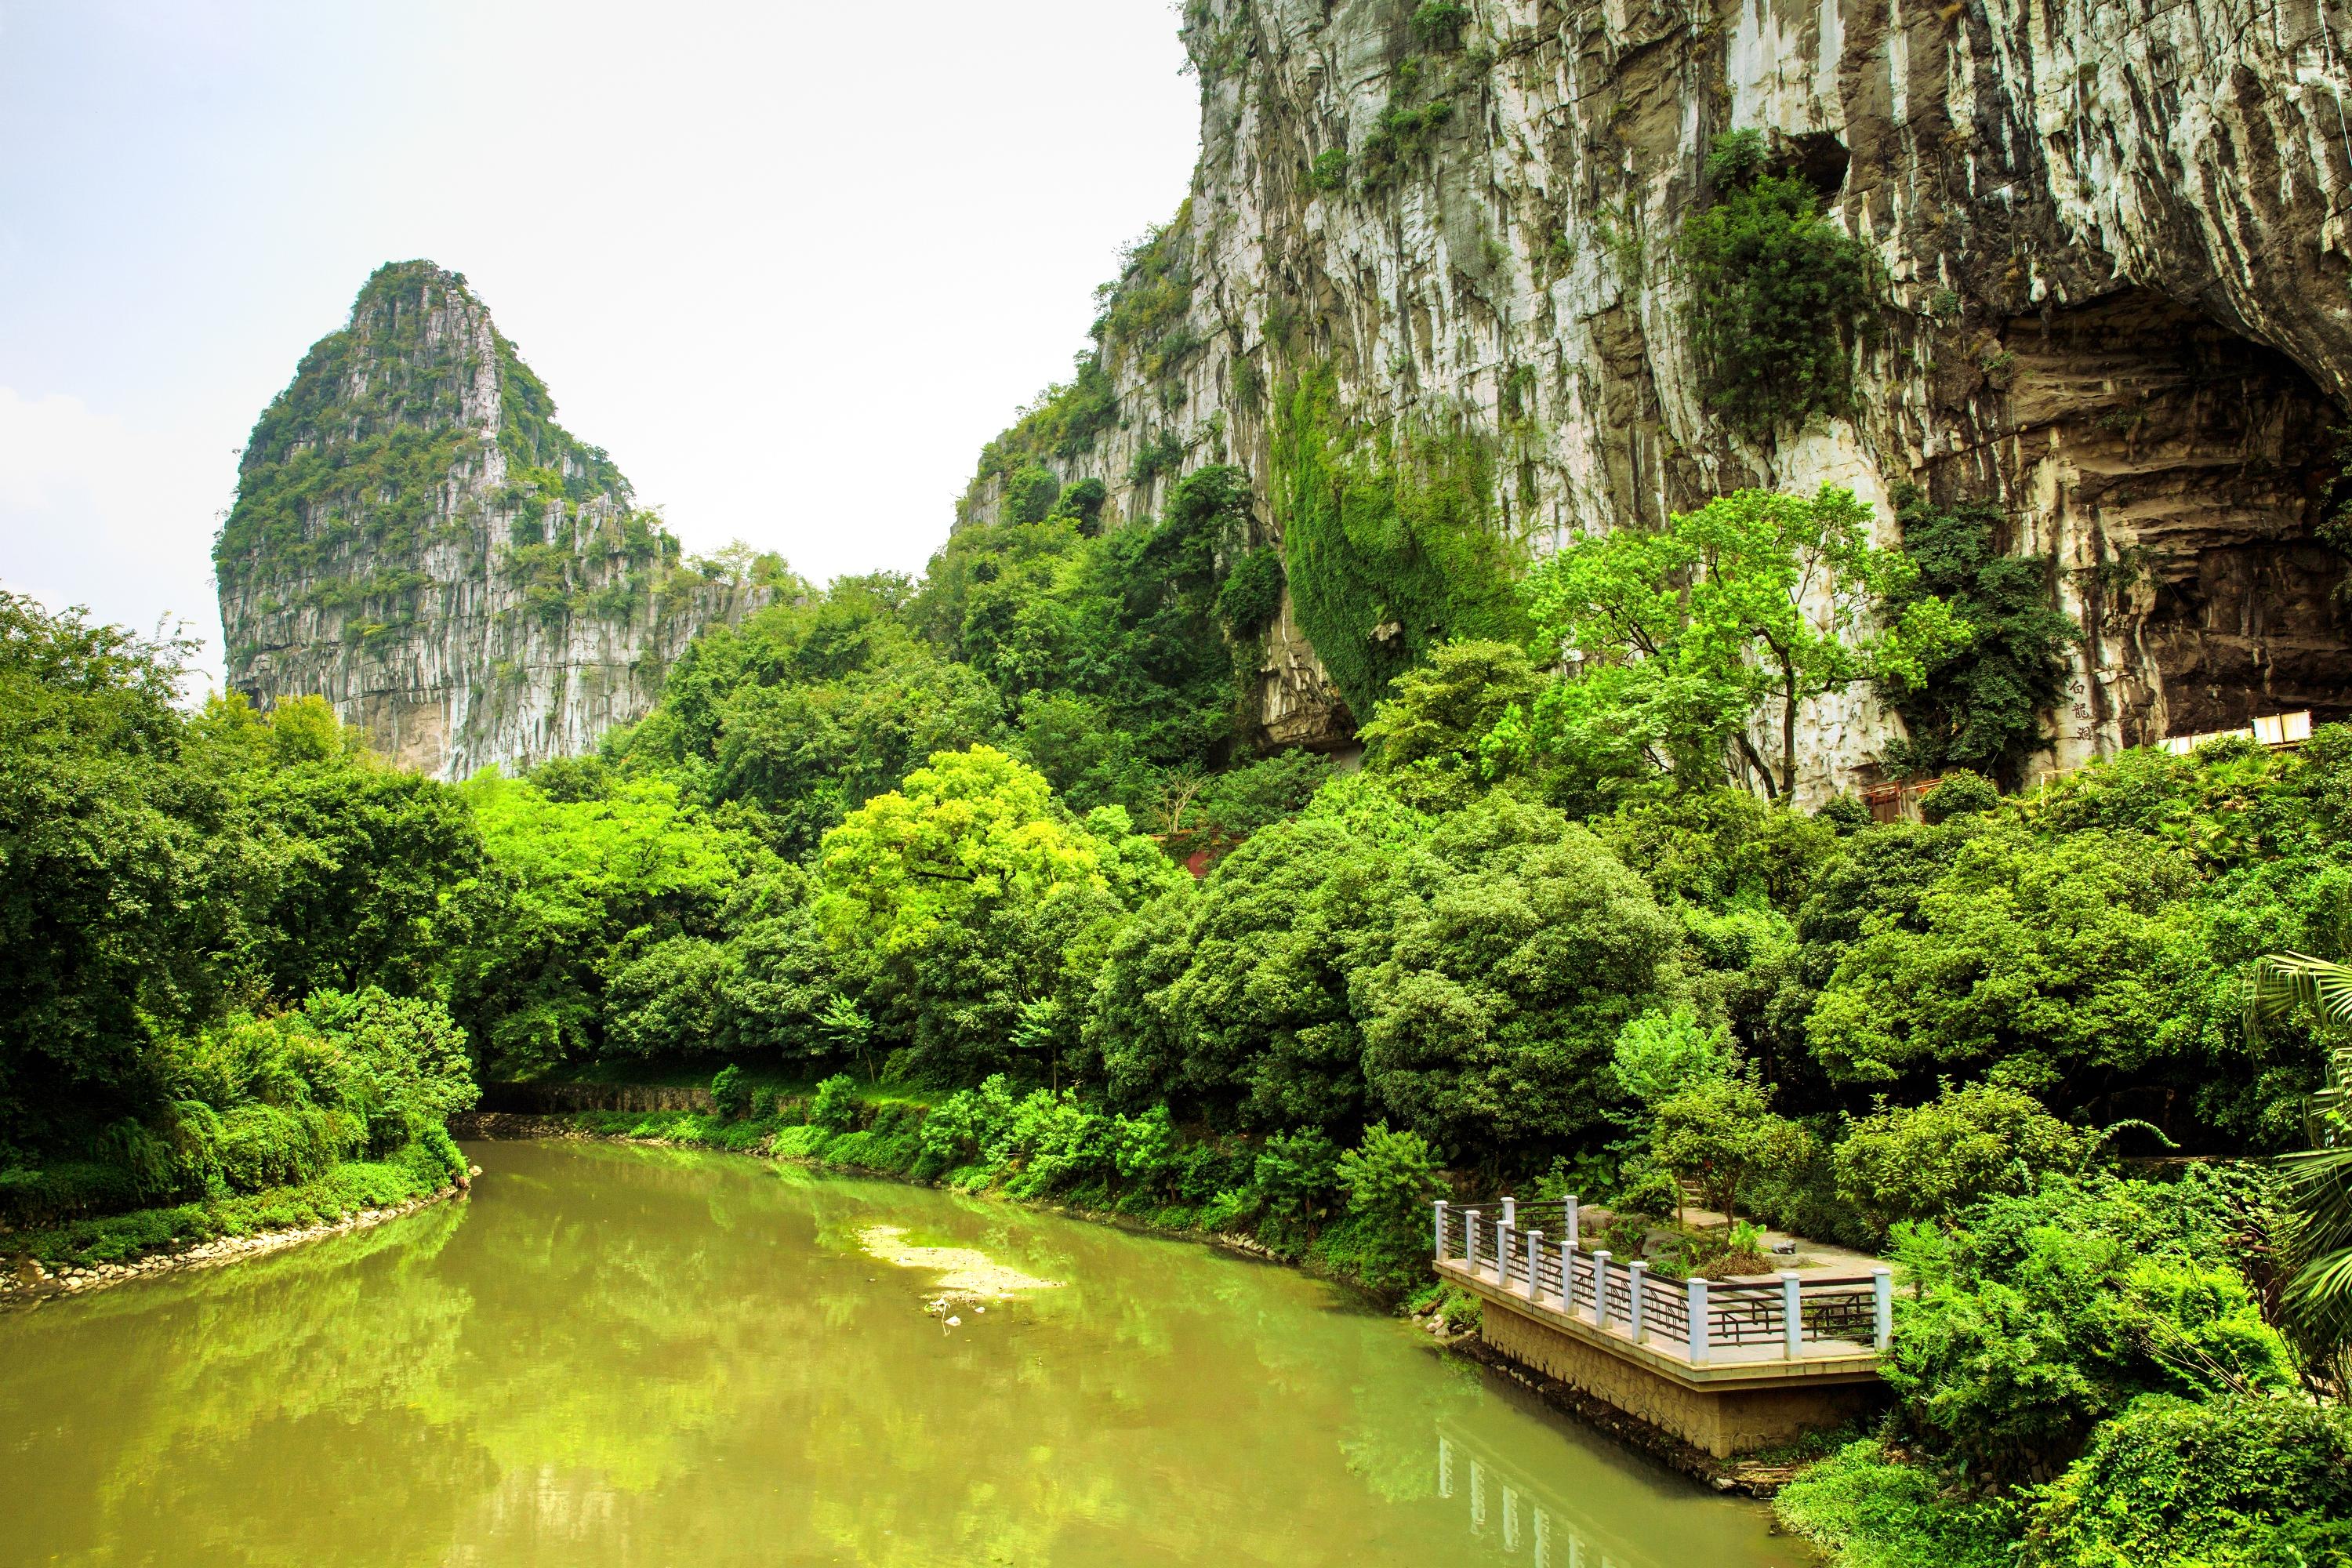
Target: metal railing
<point x="1798" y="1314"/>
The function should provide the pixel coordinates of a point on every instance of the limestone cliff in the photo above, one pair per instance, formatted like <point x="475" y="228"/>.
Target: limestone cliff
<point x="418" y="541"/>
<point x="2115" y="253"/>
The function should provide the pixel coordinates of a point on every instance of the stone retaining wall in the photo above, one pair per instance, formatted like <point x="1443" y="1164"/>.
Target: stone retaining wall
<point x="1725" y="1421"/>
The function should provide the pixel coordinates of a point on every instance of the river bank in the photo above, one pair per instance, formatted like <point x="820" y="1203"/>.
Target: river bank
<point x="91" y="1255"/>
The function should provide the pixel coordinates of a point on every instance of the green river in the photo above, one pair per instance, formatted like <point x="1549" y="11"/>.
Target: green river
<point x="624" y="1355"/>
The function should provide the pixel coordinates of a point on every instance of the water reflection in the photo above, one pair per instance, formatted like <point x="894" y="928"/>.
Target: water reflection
<point x="630" y="1356"/>
<point x="1505" y="1509"/>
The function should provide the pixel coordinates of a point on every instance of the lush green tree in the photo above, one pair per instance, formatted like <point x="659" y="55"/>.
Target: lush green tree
<point x="1980" y="705"/>
<point x="2176" y="1483"/>
<point x="1924" y="1162"/>
<point x="1391" y="1179"/>
<point x="1440" y="714"/>
<point x="1721" y="849"/>
<point x="1958" y="793"/>
<point x="1660" y="1054"/>
<point x="1249" y="1019"/>
<point x="2063" y="964"/>
<point x="1521" y="947"/>
<point x="107" y="908"/>
<point x="1780" y="293"/>
<point x="578" y="892"/>
<point x="2043" y="1315"/>
<point x="1718" y="1131"/>
<point x="1746" y="610"/>
<point x="953" y="901"/>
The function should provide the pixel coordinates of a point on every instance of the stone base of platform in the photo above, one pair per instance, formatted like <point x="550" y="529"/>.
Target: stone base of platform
<point x="1721" y="1417"/>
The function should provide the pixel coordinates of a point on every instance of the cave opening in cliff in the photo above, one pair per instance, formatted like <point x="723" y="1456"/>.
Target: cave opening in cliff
<point x="2182" y="472"/>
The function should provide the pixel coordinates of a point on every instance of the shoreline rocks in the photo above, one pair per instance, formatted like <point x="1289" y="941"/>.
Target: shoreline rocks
<point x="24" y="1281"/>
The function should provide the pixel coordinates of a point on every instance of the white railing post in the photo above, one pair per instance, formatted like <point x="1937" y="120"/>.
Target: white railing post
<point x="1503" y="1255"/>
<point x="1634" y="1273"/>
<point x="1511" y="1211"/>
<point x="1470" y="1241"/>
<point x="1572" y="1218"/>
<point x="1699" y="1335"/>
<point x="1568" y="1277"/>
<point x="1792" y="1315"/>
<point x="1535" y="1265"/>
<point x="1600" y="1289"/>
<point x="1441" y="1230"/>
<point x="1882" y="1290"/>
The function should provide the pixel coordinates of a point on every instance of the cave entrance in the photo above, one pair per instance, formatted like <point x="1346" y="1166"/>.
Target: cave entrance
<point x="2181" y="472"/>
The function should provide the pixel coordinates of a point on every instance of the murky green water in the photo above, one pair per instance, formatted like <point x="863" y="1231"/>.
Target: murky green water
<point x="633" y="1356"/>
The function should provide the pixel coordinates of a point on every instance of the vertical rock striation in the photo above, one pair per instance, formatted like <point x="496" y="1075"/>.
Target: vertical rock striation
<point x="2113" y="241"/>
<point x="418" y="542"/>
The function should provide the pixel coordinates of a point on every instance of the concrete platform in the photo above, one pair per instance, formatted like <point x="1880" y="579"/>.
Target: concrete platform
<point x="1742" y="1399"/>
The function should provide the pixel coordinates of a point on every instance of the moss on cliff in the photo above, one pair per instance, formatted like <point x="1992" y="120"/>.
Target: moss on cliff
<point x="1390" y="537"/>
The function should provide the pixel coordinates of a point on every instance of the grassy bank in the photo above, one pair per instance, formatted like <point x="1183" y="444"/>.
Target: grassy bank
<point x="420" y="1167"/>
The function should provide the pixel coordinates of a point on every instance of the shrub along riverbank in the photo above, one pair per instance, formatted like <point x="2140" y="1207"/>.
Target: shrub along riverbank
<point x="416" y="1171"/>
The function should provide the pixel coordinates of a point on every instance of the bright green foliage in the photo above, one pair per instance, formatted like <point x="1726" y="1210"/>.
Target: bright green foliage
<point x="2233" y="1483"/>
<point x="1521" y="946"/>
<point x="729" y="1092"/>
<point x="1660" y="1054"/>
<point x="970" y="831"/>
<point x="1329" y="170"/>
<point x="1388" y="537"/>
<point x="1779" y="294"/>
<point x="1030" y="494"/>
<point x="1980" y="706"/>
<point x="1439" y="717"/>
<point x="160" y="872"/>
<point x="1721" y="849"/>
<point x="1718" y="1130"/>
<point x="1439" y="23"/>
<point x="836" y="1108"/>
<point x="1868" y="1510"/>
<point x="2229" y="805"/>
<point x="1270" y="789"/>
<point x="1114" y="649"/>
<point x="249" y="1102"/>
<point x="2047" y="1314"/>
<point x="961" y="898"/>
<point x="1923" y="1161"/>
<point x="1391" y="1179"/>
<point x="582" y="894"/>
<point x="2064" y="964"/>
<point x="1252" y="592"/>
<point x="1749" y="606"/>
<point x="1958" y="793"/>
<point x="1235" y="1001"/>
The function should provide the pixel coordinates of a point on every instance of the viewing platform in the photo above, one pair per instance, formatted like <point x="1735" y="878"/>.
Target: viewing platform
<point x="1729" y="1366"/>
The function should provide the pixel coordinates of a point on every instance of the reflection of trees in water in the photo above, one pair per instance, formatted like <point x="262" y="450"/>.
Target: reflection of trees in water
<point x="157" y="1399"/>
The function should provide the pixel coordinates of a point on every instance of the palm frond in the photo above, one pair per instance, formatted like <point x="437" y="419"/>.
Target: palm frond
<point x="2319" y="1241"/>
<point x="2280" y="981"/>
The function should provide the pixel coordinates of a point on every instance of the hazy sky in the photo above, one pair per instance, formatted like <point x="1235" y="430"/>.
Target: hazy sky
<point x="791" y="264"/>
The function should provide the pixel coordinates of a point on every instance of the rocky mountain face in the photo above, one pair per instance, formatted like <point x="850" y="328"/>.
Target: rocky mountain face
<point x="2111" y="239"/>
<point x="418" y="541"/>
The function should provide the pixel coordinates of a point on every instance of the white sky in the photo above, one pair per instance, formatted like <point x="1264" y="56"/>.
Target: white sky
<point x="792" y="264"/>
